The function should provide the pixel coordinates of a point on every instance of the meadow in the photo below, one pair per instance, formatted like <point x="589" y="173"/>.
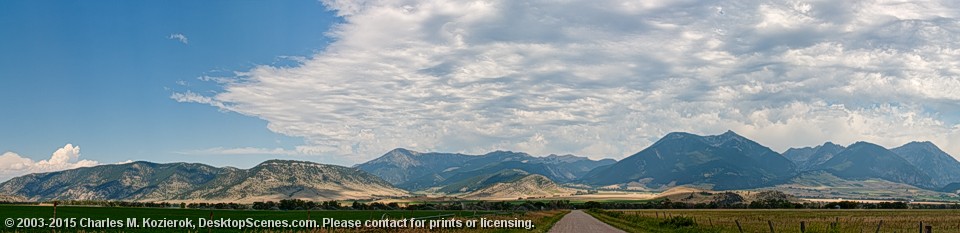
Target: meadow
<point x="814" y="220"/>
<point x="542" y="219"/>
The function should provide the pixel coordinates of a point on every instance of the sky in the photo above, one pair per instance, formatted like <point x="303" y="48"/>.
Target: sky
<point x="233" y="83"/>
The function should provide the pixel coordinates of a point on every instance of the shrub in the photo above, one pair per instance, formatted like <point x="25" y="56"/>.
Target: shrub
<point x="678" y="222"/>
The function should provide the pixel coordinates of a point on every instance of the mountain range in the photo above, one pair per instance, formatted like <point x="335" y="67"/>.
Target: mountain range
<point x="808" y="158"/>
<point x="727" y="161"/>
<point x="413" y="170"/>
<point x="145" y="181"/>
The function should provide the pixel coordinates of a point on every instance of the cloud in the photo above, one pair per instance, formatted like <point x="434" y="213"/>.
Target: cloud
<point x="607" y="78"/>
<point x="179" y="37"/>
<point x="68" y="157"/>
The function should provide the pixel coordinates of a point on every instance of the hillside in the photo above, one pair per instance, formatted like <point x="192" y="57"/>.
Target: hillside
<point x="727" y="161"/>
<point x="145" y="181"/>
<point x="420" y="171"/>
<point x="401" y="165"/>
<point x="473" y="183"/>
<point x="527" y="186"/>
<point x="822" y="184"/>
<point x="11" y="198"/>
<point x="864" y="160"/>
<point x="932" y="161"/>
<point x="808" y="158"/>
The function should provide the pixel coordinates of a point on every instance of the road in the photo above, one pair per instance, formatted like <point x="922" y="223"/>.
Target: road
<point x="577" y="222"/>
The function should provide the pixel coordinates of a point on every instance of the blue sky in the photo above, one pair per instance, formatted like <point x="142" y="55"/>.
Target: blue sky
<point x="99" y="74"/>
<point x="343" y="81"/>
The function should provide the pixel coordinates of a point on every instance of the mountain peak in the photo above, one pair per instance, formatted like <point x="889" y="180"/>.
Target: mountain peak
<point x="830" y="147"/>
<point x="933" y="161"/>
<point x="402" y="151"/>
<point x="717" y="140"/>
<point x="400" y="157"/>
<point x="864" y="144"/>
<point x="867" y="160"/>
<point x="730" y="133"/>
<point x="726" y="161"/>
<point x="678" y="135"/>
<point x="924" y="144"/>
<point x="280" y="161"/>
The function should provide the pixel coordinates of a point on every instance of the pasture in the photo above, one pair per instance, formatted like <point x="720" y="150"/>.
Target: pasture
<point x="814" y="220"/>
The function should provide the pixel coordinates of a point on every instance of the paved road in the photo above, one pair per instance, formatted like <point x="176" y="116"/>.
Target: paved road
<point x="578" y="222"/>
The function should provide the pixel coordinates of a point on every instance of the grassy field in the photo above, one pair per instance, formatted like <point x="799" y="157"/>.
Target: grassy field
<point x="542" y="219"/>
<point x="789" y="220"/>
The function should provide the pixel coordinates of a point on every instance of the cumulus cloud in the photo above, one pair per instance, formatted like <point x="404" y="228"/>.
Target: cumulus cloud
<point x="179" y="37"/>
<point x="607" y="78"/>
<point x="68" y="157"/>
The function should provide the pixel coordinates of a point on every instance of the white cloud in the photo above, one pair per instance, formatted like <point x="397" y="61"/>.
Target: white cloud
<point x="124" y="162"/>
<point x="68" y="157"/>
<point x="179" y="37"/>
<point x="607" y="78"/>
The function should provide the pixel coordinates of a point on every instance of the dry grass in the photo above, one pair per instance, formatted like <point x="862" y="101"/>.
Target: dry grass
<point x="817" y="220"/>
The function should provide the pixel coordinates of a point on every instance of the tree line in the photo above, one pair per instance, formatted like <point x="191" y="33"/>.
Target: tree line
<point x="297" y="204"/>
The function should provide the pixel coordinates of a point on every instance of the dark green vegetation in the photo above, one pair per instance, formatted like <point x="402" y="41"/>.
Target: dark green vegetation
<point x="414" y="171"/>
<point x="192" y="181"/>
<point x="21" y="211"/>
<point x="295" y="204"/>
<point x="727" y="161"/>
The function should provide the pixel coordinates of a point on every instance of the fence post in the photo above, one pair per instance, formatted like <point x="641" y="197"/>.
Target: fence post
<point x="878" y="226"/>
<point x="738" y="225"/>
<point x="921" y="226"/>
<point x="803" y="227"/>
<point x="770" y="223"/>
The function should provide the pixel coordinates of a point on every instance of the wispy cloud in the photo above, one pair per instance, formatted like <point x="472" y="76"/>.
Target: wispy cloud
<point x="68" y="157"/>
<point x="179" y="37"/>
<point x="607" y="78"/>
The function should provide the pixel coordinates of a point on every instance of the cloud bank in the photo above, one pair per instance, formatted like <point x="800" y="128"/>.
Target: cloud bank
<point x="608" y="78"/>
<point x="68" y="157"/>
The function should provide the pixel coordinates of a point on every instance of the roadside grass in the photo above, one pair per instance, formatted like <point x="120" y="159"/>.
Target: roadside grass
<point x="547" y="219"/>
<point x="543" y="220"/>
<point x="637" y="223"/>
